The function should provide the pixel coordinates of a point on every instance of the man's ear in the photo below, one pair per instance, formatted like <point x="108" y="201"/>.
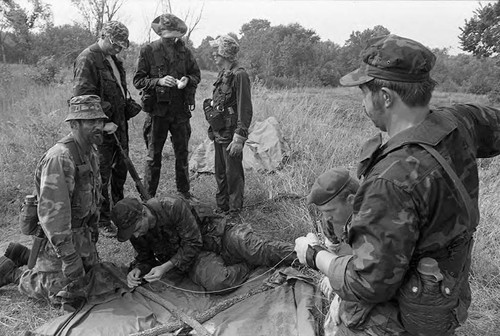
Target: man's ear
<point x="350" y="199"/>
<point x="387" y="96"/>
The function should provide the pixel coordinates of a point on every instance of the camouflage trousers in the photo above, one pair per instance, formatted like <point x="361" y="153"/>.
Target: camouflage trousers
<point x="96" y="285"/>
<point x="155" y="134"/>
<point x="232" y="258"/>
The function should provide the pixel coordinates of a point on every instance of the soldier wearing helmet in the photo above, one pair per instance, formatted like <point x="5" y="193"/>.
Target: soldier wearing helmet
<point x="68" y="190"/>
<point x="98" y="71"/>
<point x="229" y="114"/>
<point x="167" y="75"/>
<point x="416" y="210"/>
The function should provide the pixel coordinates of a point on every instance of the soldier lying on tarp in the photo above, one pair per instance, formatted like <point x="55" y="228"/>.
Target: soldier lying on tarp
<point x="171" y="236"/>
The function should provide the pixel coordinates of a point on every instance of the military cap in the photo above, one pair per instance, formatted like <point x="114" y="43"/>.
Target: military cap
<point x="85" y="107"/>
<point x="392" y="58"/>
<point x="169" y="25"/>
<point x="328" y="185"/>
<point x="117" y="32"/>
<point x="125" y="215"/>
<point x="226" y="46"/>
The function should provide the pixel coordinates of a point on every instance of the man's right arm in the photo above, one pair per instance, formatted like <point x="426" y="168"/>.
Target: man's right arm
<point x="142" y="78"/>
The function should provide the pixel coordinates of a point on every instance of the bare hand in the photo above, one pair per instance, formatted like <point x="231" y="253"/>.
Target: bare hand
<point x="155" y="274"/>
<point x="235" y="148"/>
<point x="301" y="245"/>
<point x="133" y="278"/>
<point x="110" y="127"/>
<point x="181" y="83"/>
<point x="167" y="81"/>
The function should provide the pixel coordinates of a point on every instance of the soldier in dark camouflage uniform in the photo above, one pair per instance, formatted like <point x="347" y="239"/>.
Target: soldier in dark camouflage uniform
<point x="170" y="236"/>
<point x="167" y="74"/>
<point x="411" y="232"/>
<point x="68" y="190"/>
<point x="232" y="98"/>
<point x="98" y="71"/>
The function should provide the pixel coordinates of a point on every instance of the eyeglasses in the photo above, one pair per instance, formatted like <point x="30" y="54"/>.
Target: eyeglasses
<point x="115" y="45"/>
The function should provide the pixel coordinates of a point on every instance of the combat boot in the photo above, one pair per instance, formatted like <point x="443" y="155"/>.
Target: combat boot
<point x="18" y="253"/>
<point x="9" y="273"/>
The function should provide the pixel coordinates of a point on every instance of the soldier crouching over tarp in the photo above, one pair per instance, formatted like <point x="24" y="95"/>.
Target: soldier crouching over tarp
<point x="63" y="263"/>
<point x="169" y="235"/>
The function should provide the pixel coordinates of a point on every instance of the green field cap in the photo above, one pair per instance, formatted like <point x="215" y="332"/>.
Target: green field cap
<point x="392" y="58"/>
<point x="328" y="185"/>
<point x="125" y="215"/>
<point x="85" y="107"/>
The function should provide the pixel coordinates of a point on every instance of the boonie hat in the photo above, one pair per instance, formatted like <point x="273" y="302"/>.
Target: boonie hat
<point x="169" y="25"/>
<point x="393" y="58"/>
<point x="227" y="47"/>
<point x="85" y="107"/>
<point x="125" y="215"/>
<point x="328" y="185"/>
<point x="117" y="32"/>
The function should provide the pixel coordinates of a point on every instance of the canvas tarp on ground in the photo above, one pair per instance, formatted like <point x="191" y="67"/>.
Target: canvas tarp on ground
<point x="286" y="305"/>
<point x="263" y="151"/>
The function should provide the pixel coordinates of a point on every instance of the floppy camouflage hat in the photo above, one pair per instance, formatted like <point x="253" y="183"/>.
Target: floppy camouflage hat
<point x="125" y="215"/>
<point x="227" y="47"/>
<point x="328" y="185"/>
<point x="85" y="107"/>
<point x="168" y="25"/>
<point x="393" y="58"/>
<point x="117" y="32"/>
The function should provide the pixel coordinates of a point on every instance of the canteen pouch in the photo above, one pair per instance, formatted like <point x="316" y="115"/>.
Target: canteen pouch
<point x="148" y="100"/>
<point x="430" y="308"/>
<point x="28" y="217"/>
<point x="214" y="115"/>
<point x="131" y="108"/>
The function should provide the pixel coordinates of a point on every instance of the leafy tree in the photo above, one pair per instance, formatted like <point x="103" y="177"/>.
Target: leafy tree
<point x="16" y="23"/>
<point x="481" y="34"/>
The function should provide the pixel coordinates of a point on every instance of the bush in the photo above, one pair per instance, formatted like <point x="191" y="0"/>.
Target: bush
<point x="45" y="71"/>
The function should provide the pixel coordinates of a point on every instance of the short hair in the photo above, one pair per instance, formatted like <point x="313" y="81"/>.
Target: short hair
<point x="351" y="188"/>
<point x="413" y="94"/>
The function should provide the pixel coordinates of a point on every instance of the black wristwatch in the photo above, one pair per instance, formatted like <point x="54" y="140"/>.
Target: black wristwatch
<point x="311" y="253"/>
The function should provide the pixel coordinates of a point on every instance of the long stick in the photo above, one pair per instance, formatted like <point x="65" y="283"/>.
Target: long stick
<point x="185" y="318"/>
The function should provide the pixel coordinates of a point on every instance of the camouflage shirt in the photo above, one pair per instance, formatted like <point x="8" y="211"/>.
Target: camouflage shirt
<point x="62" y="209"/>
<point x="232" y="92"/>
<point x="175" y="237"/>
<point x="407" y="207"/>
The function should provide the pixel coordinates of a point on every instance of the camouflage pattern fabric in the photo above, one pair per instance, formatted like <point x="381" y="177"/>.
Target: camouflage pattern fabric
<point x="392" y="58"/>
<point x="169" y="25"/>
<point x="407" y="207"/>
<point x="69" y="199"/>
<point x="227" y="47"/>
<point x="93" y="75"/>
<point x="117" y="31"/>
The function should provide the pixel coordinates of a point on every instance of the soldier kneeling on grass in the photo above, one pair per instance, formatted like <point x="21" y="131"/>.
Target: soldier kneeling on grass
<point x="171" y="236"/>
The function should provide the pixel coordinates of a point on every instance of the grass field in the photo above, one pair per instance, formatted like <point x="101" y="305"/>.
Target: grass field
<point x="324" y="128"/>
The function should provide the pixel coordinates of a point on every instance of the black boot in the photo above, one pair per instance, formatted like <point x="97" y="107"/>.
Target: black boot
<point x="8" y="272"/>
<point x="18" y="253"/>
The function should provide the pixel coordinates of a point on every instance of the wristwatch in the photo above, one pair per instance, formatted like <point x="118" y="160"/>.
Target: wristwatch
<point x="311" y="253"/>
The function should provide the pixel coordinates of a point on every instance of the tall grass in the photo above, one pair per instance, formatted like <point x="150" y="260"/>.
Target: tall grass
<point x="323" y="127"/>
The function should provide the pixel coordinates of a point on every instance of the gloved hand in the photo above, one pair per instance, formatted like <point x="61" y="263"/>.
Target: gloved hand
<point x="236" y="146"/>
<point x="110" y="127"/>
<point x="72" y="267"/>
<point x="301" y="245"/>
<point x="326" y="287"/>
<point x="207" y="105"/>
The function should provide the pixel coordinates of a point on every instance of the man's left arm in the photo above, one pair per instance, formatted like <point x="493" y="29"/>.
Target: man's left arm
<point x="193" y="72"/>
<point x="85" y="77"/>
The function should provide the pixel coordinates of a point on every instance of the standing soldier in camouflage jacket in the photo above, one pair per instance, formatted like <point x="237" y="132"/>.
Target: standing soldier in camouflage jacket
<point x="68" y="189"/>
<point x="167" y="74"/>
<point x="229" y="114"/>
<point x="97" y="71"/>
<point x="417" y="207"/>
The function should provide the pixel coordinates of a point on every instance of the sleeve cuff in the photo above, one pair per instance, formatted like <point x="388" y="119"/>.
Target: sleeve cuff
<point x="238" y="138"/>
<point x="336" y="272"/>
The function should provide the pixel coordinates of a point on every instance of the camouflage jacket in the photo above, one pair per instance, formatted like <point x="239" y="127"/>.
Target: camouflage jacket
<point x="232" y="93"/>
<point x="407" y="207"/>
<point x="175" y="237"/>
<point x="161" y="58"/>
<point x="93" y="74"/>
<point x="69" y="197"/>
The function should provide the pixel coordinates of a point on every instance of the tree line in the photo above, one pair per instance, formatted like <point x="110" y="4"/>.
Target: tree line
<point x="277" y="56"/>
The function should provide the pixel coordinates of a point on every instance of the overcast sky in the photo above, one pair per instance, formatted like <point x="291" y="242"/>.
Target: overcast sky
<point x="434" y="23"/>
